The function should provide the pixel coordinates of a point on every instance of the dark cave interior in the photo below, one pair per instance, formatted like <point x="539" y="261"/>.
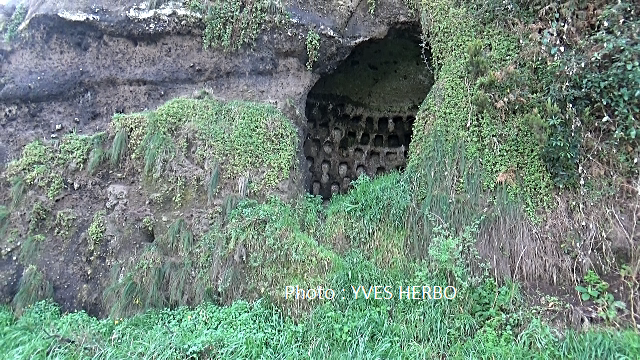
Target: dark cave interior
<point x="360" y="117"/>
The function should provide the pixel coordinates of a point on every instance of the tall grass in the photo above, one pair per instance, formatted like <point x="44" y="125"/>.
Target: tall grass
<point x="32" y="288"/>
<point x="17" y="190"/>
<point x="250" y="331"/>
<point x="119" y="146"/>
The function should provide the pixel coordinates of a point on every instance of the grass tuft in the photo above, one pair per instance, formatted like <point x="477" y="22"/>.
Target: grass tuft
<point x="119" y="146"/>
<point x="213" y="183"/>
<point x="32" y="288"/>
<point x="17" y="190"/>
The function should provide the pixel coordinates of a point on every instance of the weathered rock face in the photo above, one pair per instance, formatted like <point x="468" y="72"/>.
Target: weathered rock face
<point x="84" y="61"/>
<point x="79" y="62"/>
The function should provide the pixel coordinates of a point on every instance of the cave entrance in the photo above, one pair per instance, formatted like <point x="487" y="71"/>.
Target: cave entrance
<point x="360" y="117"/>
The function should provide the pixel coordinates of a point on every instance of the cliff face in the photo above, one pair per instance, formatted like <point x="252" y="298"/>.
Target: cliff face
<point x="72" y="65"/>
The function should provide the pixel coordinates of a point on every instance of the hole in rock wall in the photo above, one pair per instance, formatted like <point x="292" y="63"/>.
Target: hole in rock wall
<point x="360" y="117"/>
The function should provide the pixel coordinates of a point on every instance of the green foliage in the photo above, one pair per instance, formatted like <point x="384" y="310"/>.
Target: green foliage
<point x="476" y="103"/>
<point x="32" y="288"/>
<point x="5" y="215"/>
<point x="38" y="217"/>
<point x="241" y="137"/>
<point x="119" y="146"/>
<point x="313" y="48"/>
<point x="148" y="222"/>
<point x="17" y="190"/>
<point x="64" y="223"/>
<point x="562" y="150"/>
<point x="598" y="80"/>
<point x="179" y="238"/>
<point x="356" y="329"/>
<point x="477" y="65"/>
<point x="230" y="24"/>
<point x="11" y="29"/>
<point x="371" y="216"/>
<point x="96" y="229"/>
<point x="281" y="251"/>
<point x="46" y="165"/>
<point x="596" y="290"/>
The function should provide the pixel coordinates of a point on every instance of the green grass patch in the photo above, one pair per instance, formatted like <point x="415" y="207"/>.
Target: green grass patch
<point x="46" y="165"/>
<point x="242" y="138"/>
<point x="371" y="217"/>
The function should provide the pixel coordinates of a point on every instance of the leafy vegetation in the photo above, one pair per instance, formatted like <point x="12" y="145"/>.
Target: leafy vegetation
<point x="243" y="138"/>
<point x="493" y="136"/>
<point x="47" y="166"/>
<point x="96" y="229"/>
<point x="313" y="46"/>
<point x="230" y="24"/>
<point x="11" y="28"/>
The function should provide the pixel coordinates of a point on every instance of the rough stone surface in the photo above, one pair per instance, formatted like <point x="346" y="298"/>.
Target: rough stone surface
<point x="76" y="63"/>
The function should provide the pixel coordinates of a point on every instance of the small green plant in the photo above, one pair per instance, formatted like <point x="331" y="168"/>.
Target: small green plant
<point x="38" y="217"/>
<point x="119" y="146"/>
<point x="372" y="6"/>
<point x="595" y="287"/>
<point x="596" y="291"/>
<point x="179" y="236"/>
<point x="97" y="154"/>
<point x="313" y="48"/>
<point x="147" y="222"/>
<point x="230" y="24"/>
<point x="17" y="18"/>
<point x="97" y="229"/>
<point x="64" y="223"/>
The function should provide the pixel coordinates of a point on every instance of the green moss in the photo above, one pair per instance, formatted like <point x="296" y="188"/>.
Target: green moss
<point x="243" y="138"/>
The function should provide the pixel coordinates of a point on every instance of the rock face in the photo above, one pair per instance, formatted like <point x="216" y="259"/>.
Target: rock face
<point x="77" y="63"/>
<point x="81" y="62"/>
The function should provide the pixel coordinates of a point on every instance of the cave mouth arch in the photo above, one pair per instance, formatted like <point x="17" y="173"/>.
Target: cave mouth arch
<point x="360" y="117"/>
